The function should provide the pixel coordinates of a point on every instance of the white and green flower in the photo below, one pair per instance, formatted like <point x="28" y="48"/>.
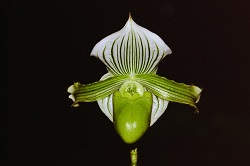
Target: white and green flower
<point x="131" y="94"/>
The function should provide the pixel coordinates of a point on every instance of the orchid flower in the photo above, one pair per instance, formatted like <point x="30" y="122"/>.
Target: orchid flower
<point x="131" y="94"/>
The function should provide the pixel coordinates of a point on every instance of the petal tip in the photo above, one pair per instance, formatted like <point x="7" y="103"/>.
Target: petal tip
<point x="72" y="98"/>
<point x="129" y="16"/>
<point x="71" y="89"/>
<point x="198" y="91"/>
<point x="75" y="105"/>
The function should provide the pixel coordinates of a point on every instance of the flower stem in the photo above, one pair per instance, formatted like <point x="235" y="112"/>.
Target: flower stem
<point x="133" y="156"/>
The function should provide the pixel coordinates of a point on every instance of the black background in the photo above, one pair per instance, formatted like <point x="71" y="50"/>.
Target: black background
<point x="47" y="46"/>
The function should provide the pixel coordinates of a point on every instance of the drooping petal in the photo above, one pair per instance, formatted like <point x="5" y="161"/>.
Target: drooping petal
<point x="170" y="90"/>
<point x="132" y="50"/>
<point x="159" y="107"/>
<point x="97" y="90"/>
<point x="106" y="104"/>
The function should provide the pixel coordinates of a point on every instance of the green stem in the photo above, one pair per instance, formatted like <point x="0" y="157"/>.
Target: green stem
<point x="133" y="156"/>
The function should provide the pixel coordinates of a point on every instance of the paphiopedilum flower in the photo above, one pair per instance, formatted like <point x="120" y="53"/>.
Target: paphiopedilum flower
<point x="131" y="94"/>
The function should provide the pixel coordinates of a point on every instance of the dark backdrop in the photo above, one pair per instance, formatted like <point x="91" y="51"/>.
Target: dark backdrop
<point x="47" y="46"/>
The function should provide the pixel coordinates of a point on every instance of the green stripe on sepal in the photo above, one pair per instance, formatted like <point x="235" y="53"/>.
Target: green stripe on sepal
<point x="97" y="90"/>
<point x="132" y="50"/>
<point x="170" y="90"/>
